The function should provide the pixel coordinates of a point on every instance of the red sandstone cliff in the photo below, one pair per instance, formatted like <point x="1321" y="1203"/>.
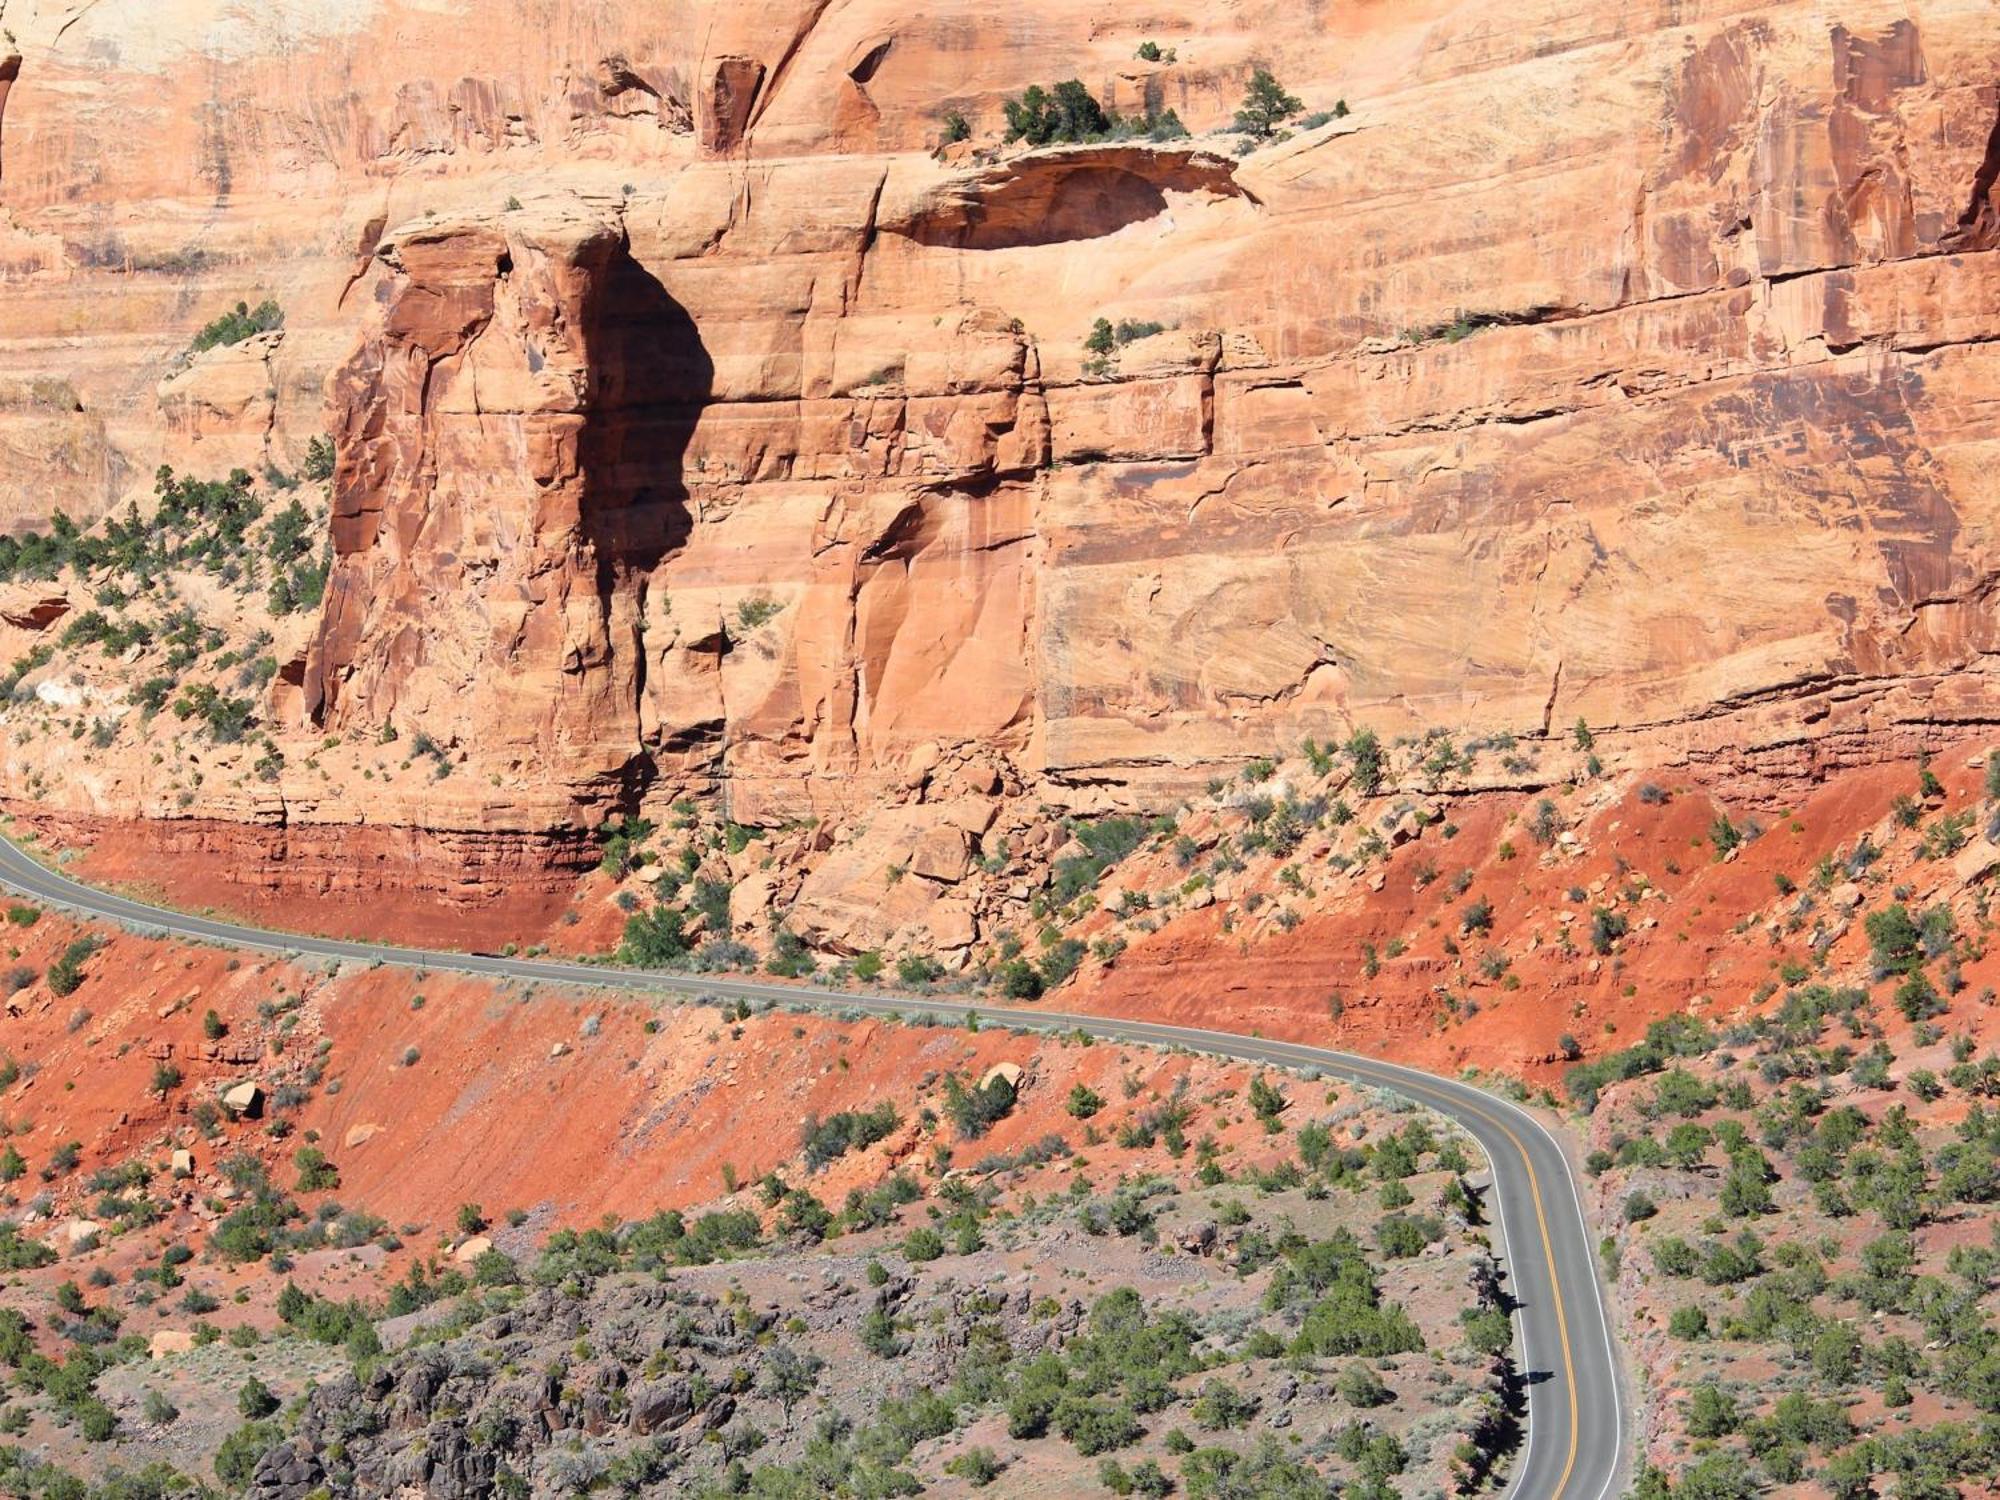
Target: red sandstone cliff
<point x="1634" y="365"/>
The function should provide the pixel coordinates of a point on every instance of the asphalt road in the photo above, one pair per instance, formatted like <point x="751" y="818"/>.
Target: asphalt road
<point x="1574" y="1447"/>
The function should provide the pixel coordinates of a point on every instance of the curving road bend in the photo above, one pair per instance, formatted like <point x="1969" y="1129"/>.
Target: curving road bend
<point x="1575" y="1438"/>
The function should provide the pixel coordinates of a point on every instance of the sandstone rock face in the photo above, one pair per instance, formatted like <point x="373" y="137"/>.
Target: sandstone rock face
<point x="497" y="508"/>
<point x="34" y="609"/>
<point x="1632" y="367"/>
<point x="731" y="94"/>
<point x="218" y="409"/>
<point x="10" y="69"/>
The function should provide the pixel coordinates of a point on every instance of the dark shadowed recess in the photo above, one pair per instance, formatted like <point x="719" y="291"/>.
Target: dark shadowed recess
<point x="652" y="376"/>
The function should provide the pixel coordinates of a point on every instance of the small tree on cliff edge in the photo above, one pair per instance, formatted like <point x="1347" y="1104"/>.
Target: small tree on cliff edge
<point x="1265" y="103"/>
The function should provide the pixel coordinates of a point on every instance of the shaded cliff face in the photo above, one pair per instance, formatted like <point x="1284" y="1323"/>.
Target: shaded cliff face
<point x="1627" y="365"/>
<point x="508" y="481"/>
<point x="527" y="565"/>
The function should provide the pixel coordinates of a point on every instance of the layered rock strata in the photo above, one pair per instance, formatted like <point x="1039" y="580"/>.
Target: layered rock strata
<point x="703" y="430"/>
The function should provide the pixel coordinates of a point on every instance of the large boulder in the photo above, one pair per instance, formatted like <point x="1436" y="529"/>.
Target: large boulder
<point x="1008" y="1072"/>
<point x="661" y="1406"/>
<point x="290" y="1471"/>
<point x="167" y="1341"/>
<point x="471" y="1249"/>
<point x="942" y="854"/>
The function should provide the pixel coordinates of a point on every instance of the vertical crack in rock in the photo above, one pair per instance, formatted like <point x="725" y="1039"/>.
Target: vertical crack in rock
<point x="870" y="229"/>
<point x="364" y="253"/>
<point x="76" y="15"/>
<point x="776" y="78"/>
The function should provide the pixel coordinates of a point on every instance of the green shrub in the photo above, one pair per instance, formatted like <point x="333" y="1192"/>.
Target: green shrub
<point x="316" y="1173"/>
<point x="236" y="1460"/>
<point x="1359" y="1386"/>
<point x="66" y="973"/>
<point x="1096" y="1426"/>
<point x="1917" y="998"/>
<point x="1365" y="750"/>
<point x="1066" y="114"/>
<point x="1347" y="1317"/>
<point x="97" y="1421"/>
<point x="1710" y="1412"/>
<point x="790" y="957"/>
<point x="978" y="1466"/>
<point x="1084" y="1102"/>
<point x="916" y="970"/>
<point x="655" y="939"/>
<point x="1019" y="980"/>
<point x="238" y="324"/>
<point x="1106" y="842"/>
<point x="1673" y="1036"/>
<point x="976" y="1110"/>
<point x="1265" y="105"/>
<point x="1220" y="1406"/>
<point x="254" y="1399"/>
<point x="1266" y="1102"/>
<point x="1266" y="1470"/>
<point x="19" y="1254"/>
<point x="805" y="1216"/>
<point x="827" y="1140"/>
<point x="319" y="459"/>
<point x="1059" y="962"/>
<point x="1894" y="940"/>
<point x="1405" y="1235"/>
<point x="227" y="719"/>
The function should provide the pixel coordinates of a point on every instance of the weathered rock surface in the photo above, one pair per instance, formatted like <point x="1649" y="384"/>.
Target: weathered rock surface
<point x="1607" y="364"/>
<point x="34" y="608"/>
<point x="219" y="408"/>
<point x="492" y="530"/>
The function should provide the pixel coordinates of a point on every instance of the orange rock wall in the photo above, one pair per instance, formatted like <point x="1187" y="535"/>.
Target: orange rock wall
<point x="757" y="446"/>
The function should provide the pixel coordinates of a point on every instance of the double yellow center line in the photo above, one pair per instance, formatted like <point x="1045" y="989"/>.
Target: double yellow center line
<point x="1453" y="1103"/>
